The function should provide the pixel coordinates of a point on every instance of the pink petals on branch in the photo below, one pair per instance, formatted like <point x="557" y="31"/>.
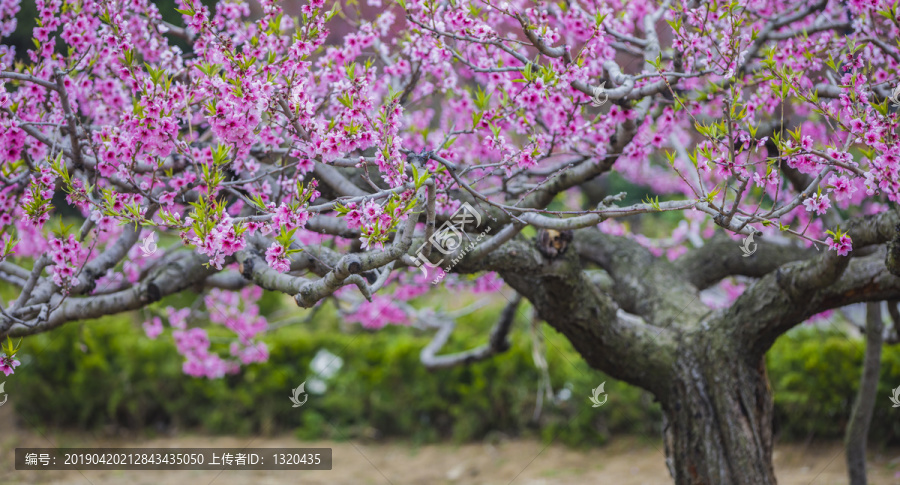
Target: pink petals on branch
<point x="381" y="311"/>
<point x="818" y="203"/>
<point x="222" y="241"/>
<point x="275" y="256"/>
<point x="66" y="256"/>
<point x="843" y="245"/>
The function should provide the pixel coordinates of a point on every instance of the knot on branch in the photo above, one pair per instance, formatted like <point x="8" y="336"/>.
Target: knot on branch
<point x="246" y="269"/>
<point x="609" y="200"/>
<point x="371" y="277"/>
<point x="552" y="243"/>
<point x="90" y="281"/>
<point x="304" y="297"/>
<point x="153" y="292"/>
<point x="354" y="265"/>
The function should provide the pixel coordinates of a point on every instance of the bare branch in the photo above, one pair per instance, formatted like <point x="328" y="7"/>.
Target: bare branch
<point x="497" y="343"/>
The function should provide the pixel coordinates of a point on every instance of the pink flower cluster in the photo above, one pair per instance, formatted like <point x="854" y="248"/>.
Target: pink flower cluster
<point x="220" y="242"/>
<point x="257" y="352"/>
<point x="374" y="221"/>
<point x="381" y="311"/>
<point x="153" y="327"/>
<point x="367" y="216"/>
<point x="277" y="258"/>
<point x="41" y="189"/>
<point x="843" y="245"/>
<point x="288" y="219"/>
<point x="8" y="206"/>
<point x="237" y="312"/>
<point x="232" y="310"/>
<point x="66" y="255"/>
<point x="841" y="187"/>
<point x="818" y="203"/>
<point x="193" y="344"/>
<point x="234" y="120"/>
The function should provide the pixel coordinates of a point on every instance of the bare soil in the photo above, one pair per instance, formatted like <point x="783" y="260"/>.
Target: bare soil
<point x="624" y="461"/>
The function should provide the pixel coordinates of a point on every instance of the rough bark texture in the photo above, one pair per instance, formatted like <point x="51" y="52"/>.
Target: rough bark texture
<point x="718" y="416"/>
<point x="861" y="416"/>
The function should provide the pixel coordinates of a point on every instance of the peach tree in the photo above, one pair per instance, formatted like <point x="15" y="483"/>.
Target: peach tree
<point x="368" y="154"/>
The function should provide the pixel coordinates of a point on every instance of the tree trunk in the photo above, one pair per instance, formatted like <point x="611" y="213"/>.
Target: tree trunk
<point x="719" y="418"/>
<point x="861" y="416"/>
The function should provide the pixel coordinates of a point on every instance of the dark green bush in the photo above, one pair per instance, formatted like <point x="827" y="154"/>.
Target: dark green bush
<point x="107" y="372"/>
<point x="815" y="375"/>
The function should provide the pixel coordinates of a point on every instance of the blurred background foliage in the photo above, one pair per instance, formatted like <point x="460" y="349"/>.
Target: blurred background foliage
<point x="107" y="375"/>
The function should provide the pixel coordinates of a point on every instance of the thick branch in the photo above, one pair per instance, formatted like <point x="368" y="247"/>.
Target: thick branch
<point x="623" y="346"/>
<point x="721" y="257"/>
<point x="766" y="310"/>
<point x="352" y="264"/>
<point x="174" y="277"/>
<point x="644" y="285"/>
<point x="92" y="270"/>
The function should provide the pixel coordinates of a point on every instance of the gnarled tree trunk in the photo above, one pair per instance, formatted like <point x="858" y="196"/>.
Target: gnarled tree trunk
<point x="640" y="319"/>
<point x="719" y="419"/>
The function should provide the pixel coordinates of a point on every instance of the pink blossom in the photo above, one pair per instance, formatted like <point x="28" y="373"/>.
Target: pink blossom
<point x="377" y="313"/>
<point x="275" y="256"/>
<point x="153" y="327"/>
<point x="178" y="318"/>
<point x="841" y="187"/>
<point x="843" y="246"/>
<point x="354" y="219"/>
<point x="8" y="364"/>
<point x="372" y="210"/>
<point x="806" y="143"/>
<point x="818" y="203"/>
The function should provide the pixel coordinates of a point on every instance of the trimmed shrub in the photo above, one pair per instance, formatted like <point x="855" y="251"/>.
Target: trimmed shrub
<point x="107" y="372"/>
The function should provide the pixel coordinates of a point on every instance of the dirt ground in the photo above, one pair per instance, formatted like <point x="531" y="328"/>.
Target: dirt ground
<point x="624" y="461"/>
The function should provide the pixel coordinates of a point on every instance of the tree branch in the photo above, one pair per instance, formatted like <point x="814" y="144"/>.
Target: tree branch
<point x="497" y="342"/>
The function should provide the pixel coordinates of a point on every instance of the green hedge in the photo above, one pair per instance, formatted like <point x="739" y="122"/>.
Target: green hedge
<point x="107" y="372"/>
<point x="815" y="376"/>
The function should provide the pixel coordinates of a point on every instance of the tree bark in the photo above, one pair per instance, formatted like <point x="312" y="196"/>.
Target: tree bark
<point x="718" y="427"/>
<point x="861" y="416"/>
